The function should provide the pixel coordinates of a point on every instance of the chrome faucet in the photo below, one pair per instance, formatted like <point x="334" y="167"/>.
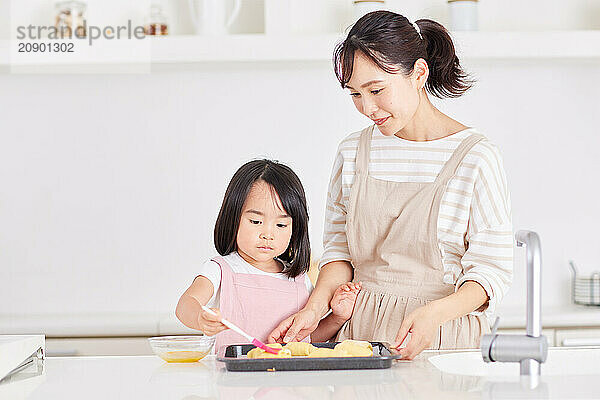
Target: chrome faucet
<point x="531" y="349"/>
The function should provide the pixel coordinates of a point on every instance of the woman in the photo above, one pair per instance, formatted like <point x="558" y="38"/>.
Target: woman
<point x="418" y="208"/>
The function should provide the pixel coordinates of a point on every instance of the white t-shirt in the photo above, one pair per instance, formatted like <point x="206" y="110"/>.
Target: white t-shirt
<point x="212" y="272"/>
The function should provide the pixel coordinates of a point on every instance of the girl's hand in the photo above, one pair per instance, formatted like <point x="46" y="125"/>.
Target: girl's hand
<point x="423" y="324"/>
<point x="209" y="324"/>
<point x="342" y="303"/>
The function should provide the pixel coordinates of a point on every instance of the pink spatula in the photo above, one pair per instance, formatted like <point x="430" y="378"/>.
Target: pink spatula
<point x="235" y="328"/>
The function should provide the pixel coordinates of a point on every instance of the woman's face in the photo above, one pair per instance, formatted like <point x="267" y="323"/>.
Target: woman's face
<point x="390" y="100"/>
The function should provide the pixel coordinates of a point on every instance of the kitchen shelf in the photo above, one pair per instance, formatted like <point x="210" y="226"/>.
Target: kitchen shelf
<point x="471" y="45"/>
<point x="528" y="45"/>
<point x="263" y="48"/>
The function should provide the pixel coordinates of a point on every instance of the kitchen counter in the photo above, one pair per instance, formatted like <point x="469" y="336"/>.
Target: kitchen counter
<point x="148" y="377"/>
<point x="136" y="324"/>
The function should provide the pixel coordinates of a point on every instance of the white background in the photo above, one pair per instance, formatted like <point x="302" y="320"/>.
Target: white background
<point x="110" y="184"/>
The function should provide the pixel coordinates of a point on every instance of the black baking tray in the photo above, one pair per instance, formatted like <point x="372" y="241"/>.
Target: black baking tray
<point x="235" y="360"/>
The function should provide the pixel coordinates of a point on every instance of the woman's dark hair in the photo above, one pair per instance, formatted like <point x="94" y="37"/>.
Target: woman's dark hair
<point x="287" y="185"/>
<point x="393" y="43"/>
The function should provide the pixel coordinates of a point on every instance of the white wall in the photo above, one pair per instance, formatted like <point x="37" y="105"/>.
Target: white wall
<point x="110" y="184"/>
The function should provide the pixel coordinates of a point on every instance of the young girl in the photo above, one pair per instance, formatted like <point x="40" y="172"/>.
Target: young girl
<point x="260" y="278"/>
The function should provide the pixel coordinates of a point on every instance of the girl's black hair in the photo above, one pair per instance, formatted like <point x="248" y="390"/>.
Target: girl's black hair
<point x="287" y="185"/>
<point x="393" y="43"/>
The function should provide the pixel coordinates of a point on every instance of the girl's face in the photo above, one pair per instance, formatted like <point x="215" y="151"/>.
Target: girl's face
<point x="390" y="100"/>
<point x="265" y="227"/>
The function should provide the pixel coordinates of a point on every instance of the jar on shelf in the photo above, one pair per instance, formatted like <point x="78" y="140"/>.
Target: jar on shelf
<point x="463" y="15"/>
<point x="156" y="23"/>
<point x="70" y="19"/>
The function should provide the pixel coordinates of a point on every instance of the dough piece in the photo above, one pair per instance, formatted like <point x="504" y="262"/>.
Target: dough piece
<point x="323" y="352"/>
<point x="356" y="348"/>
<point x="260" y="353"/>
<point x="254" y="353"/>
<point x="285" y="353"/>
<point x="300" y="348"/>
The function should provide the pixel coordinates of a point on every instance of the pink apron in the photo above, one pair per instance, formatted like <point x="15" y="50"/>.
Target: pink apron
<point x="256" y="303"/>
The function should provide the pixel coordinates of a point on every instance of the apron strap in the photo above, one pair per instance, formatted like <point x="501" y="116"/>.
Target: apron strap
<point x="449" y="169"/>
<point x="364" y="150"/>
<point x="223" y="264"/>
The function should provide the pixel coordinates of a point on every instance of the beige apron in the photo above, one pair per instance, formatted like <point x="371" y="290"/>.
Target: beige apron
<point x="392" y="237"/>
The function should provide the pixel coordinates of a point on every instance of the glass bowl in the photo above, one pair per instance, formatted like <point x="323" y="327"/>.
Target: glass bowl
<point x="182" y="349"/>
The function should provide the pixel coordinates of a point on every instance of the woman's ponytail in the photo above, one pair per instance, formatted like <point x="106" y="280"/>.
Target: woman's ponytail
<point x="446" y="76"/>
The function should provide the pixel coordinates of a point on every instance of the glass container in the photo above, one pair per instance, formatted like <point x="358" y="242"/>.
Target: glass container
<point x="156" y="24"/>
<point x="70" y="19"/>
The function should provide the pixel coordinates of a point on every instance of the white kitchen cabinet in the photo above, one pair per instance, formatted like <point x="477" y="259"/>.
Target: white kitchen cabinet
<point x="565" y="337"/>
<point x="128" y="346"/>
<point x="578" y="337"/>
<point x="549" y="333"/>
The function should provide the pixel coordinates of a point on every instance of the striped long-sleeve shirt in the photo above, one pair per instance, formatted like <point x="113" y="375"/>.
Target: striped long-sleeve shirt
<point x="474" y="223"/>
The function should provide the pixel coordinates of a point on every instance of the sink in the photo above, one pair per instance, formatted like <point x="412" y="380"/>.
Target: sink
<point x="561" y="361"/>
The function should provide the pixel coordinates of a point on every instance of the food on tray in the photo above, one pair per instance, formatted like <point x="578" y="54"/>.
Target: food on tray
<point x="324" y="352"/>
<point x="300" y="348"/>
<point x="183" y="356"/>
<point x="282" y="354"/>
<point x="356" y="348"/>
<point x="260" y="353"/>
<point x="347" y="348"/>
<point x="255" y="352"/>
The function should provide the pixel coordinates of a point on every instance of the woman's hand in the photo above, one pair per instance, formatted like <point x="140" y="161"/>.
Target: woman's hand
<point x="423" y="324"/>
<point x="296" y="327"/>
<point x="209" y="324"/>
<point x="305" y="321"/>
<point x="342" y="303"/>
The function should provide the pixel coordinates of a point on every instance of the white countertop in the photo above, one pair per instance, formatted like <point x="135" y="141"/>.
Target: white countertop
<point x="137" y="324"/>
<point x="567" y="316"/>
<point x="148" y="377"/>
